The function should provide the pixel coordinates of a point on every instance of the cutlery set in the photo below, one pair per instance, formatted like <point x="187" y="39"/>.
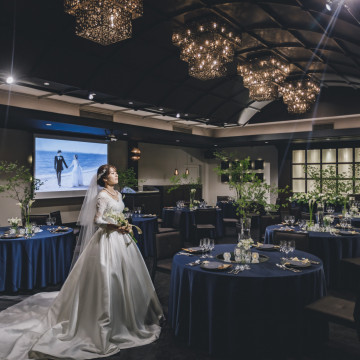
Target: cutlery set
<point x="283" y="267"/>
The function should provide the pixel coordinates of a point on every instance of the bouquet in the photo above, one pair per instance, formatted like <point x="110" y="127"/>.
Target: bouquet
<point x="118" y="218"/>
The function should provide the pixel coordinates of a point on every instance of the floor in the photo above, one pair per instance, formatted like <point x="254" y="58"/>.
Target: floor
<point x="343" y="343"/>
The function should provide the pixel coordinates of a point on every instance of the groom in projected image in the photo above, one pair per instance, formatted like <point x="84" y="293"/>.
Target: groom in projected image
<point x="58" y="164"/>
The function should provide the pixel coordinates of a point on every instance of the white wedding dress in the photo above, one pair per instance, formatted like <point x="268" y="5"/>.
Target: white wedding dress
<point x="107" y="303"/>
<point x="76" y="174"/>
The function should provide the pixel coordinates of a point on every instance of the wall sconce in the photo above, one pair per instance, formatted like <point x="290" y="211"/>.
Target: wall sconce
<point x="136" y="154"/>
<point x="176" y="172"/>
<point x="187" y="172"/>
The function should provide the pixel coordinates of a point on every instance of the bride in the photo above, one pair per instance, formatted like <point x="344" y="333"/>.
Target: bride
<point x="107" y="303"/>
<point x="76" y="174"/>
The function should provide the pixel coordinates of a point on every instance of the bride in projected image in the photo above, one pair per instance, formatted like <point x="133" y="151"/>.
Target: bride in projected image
<point x="76" y="174"/>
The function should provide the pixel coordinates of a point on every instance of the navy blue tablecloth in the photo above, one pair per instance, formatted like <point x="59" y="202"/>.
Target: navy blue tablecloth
<point x="188" y="219"/>
<point x="329" y="248"/>
<point x="39" y="261"/>
<point x="257" y="309"/>
<point x="148" y="226"/>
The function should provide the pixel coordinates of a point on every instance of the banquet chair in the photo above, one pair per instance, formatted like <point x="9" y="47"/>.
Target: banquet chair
<point x="165" y="246"/>
<point x="306" y="216"/>
<point x="205" y="222"/>
<point x="175" y="224"/>
<point x="267" y="220"/>
<point x="301" y="239"/>
<point x="57" y="216"/>
<point x="38" y="219"/>
<point x="350" y="274"/>
<point x="336" y="310"/>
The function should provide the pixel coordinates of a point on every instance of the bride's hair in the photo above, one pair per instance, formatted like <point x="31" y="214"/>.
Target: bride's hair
<point x="103" y="172"/>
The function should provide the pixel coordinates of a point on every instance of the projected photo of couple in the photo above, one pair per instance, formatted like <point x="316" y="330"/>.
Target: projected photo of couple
<point x="64" y="165"/>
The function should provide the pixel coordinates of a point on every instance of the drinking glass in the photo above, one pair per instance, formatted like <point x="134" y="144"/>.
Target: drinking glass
<point x="282" y="245"/>
<point x="291" y="245"/>
<point x="292" y="220"/>
<point x="286" y="220"/>
<point x="53" y="221"/>
<point x="48" y="221"/>
<point x="211" y="247"/>
<point x="202" y="246"/>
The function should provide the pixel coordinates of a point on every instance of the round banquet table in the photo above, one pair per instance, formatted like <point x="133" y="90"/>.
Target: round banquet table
<point x="148" y="226"/>
<point x="39" y="261"/>
<point x="329" y="248"/>
<point x="188" y="219"/>
<point x="220" y="312"/>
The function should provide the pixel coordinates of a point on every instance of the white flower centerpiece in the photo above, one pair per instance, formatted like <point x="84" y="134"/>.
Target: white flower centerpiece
<point x="14" y="222"/>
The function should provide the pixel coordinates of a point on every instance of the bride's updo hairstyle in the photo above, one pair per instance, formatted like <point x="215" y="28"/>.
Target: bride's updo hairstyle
<point x="103" y="172"/>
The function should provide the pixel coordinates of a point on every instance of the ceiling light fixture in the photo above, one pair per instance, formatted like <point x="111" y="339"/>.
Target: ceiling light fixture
<point x="46" y="83"/>
<point x="91" y="96"/>
<point x="105" y="22"/>
<point x="207" y="45"/>
<point x="187" y="172"/>
<point x="299" y="95"/>
<point x="178" y="115"/>
<point x="328" y="5"/>
<point x="262" y="74"/>
<point x="9" y="80"/>
<point x="176" y="172"/>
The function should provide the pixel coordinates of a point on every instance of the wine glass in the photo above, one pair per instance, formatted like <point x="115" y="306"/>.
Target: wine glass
<point x="287" y="220"/>
<point x="291" y="245"/>
<point x="202" y="246"/>
<point x="211" y="247"/>
<point x="53" y="221"/>
<point x="292" y="220"/>
<point x="48" y="221"/>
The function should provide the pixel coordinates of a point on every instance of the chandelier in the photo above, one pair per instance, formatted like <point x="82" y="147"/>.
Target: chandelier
<point x="262" y="75"/>
<point x="104" y="21"/>
<point x="207" y="45"/>
<point x="299" y="95"/>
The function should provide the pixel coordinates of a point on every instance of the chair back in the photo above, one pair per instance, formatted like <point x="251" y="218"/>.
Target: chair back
<point x="57" y="216"/>
<point x="267" y="220"/>
<point x="38" y="219"/>
<point x="176" y="223"/>
<point x="167" y="245"/>
<point x="205" y="216"/>
<point x="306" y="216"/>
<point x="301" y="239"/>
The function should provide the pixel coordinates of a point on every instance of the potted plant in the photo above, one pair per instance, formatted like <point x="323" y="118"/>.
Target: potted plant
<point x="20" y="186"/>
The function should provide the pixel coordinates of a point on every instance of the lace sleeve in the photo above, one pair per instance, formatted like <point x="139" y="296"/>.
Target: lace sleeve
<point x="101" y="204"/>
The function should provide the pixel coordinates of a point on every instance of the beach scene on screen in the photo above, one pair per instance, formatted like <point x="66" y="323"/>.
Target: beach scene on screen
<point x="81" y="158"/>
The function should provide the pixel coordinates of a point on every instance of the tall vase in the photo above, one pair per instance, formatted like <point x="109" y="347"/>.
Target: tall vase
<point x="192" y="198"/>
<point x="320" y="214"/>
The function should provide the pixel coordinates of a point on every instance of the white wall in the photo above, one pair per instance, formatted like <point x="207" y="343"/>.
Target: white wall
<point x="158" y="162"/>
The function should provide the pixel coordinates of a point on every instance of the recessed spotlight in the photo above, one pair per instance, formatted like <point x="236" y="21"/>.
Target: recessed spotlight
<point x="125" y="134"/>
<point x="328" y="5"/>
<point x="266" y="142"/>
<point x="9" y="80"/>
<point x="161" y="109"/>
<point x="177" y="140"/>
<point x="46" y="83"/>
<point x="186" y="114"/>
<point x="178" y="115"/>
<point x="328" y="139"/>
<point x="215" y="144"/>
<point x="91" y="96"/>
<point x="48" y="124"/>
<point x="131" y="103"/>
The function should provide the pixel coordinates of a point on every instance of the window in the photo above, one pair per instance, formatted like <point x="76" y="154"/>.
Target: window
<point x="341" y="161"/>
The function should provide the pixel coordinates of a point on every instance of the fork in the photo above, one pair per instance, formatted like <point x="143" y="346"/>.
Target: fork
<point x="287" y="268"/>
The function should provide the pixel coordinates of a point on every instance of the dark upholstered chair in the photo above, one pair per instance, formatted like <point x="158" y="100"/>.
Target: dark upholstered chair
<point x="336" y="310"/>
<point x="301" y="239"/>
<point x="306" y="216"/>
<point x="165" y="246"/>
<point x="205" y="221"/>
<point x="176" y="221"/>
<point x="57" y="216"/>
<point x="38" y="219"/>
<point x="267" y="220"/>
<point x="350" y="274"/>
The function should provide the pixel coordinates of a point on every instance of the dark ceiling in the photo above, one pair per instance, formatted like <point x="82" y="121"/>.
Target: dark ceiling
<point x="38" y="43"/>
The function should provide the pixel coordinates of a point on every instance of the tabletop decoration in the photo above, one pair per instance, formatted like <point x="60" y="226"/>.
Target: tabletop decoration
<point x="14" y="224"/>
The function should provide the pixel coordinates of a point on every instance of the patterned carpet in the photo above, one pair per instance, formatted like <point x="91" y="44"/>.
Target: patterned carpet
<point x="343" y="343"/>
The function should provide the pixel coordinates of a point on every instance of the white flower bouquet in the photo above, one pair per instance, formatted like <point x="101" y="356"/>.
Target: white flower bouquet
<point x="118" y="218"/>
